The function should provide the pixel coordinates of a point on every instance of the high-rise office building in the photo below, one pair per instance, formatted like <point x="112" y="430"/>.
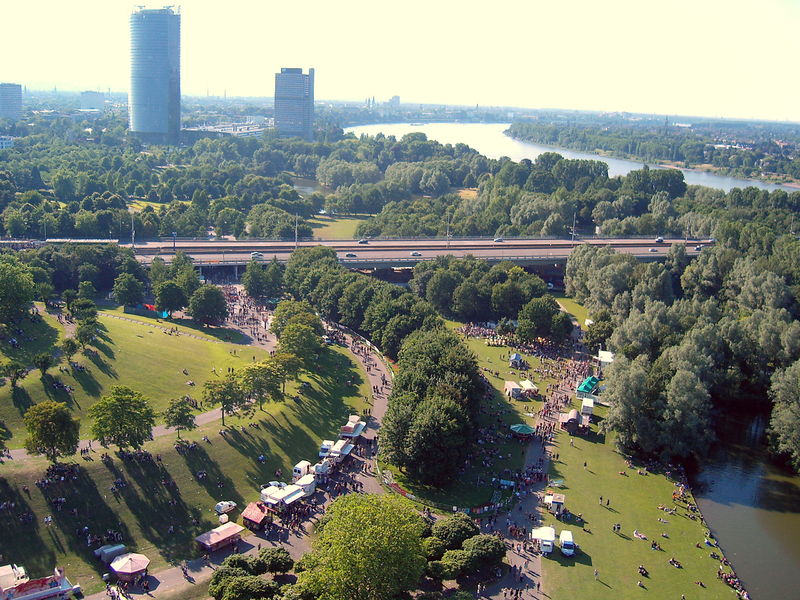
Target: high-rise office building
<point x="294" y="103"/>
<point x="10" y="101"/>
<point x="93" y="101"/>
<point x="154" y="101"/>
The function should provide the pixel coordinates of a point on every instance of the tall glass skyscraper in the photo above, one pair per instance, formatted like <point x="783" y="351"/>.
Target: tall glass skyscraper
<point x="154" y="101"/>
<point x="294" y="103"/>
<point x="10" y="101"/>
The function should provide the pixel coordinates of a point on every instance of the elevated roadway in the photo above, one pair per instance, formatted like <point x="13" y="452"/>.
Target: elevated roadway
<point x="377" y="254"/>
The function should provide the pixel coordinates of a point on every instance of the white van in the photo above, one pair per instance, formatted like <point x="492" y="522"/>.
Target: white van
<point x="566" y="543"/>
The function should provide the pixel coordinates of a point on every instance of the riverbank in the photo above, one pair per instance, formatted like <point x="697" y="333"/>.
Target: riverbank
<point x="605" y="488"/>
<point x="777" y="179"/>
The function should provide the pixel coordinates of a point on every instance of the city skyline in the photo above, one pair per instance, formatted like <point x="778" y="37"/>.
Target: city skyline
<point x="689" y="60"/>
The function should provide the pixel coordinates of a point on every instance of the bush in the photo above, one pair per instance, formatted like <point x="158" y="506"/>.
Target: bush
<point x="455" y="529"/>
<point x="485" y="550"/>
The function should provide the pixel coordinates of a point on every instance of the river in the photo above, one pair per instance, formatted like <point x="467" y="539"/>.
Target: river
<point x="489" y="140"/>
<point x="752" y="506"/>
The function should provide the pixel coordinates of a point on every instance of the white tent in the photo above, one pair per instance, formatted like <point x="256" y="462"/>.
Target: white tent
<point x="528" y="386"/>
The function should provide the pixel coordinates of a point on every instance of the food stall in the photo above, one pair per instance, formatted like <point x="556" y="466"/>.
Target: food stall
<point x="219" y="537"/>
<point x="129" y="566"/>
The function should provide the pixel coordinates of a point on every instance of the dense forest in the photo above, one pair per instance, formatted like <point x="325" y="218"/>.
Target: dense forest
<point x="745" y="150"/>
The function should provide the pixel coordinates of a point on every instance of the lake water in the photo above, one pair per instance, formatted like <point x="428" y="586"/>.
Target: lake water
<point x="489" y="140"/>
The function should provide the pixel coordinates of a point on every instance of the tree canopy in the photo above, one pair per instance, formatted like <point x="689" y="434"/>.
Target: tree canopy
<point x="124" y="417"/>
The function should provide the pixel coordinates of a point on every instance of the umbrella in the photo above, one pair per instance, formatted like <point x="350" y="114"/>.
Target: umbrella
<point x="523" y="429"/>
<point x="130" y="563"/>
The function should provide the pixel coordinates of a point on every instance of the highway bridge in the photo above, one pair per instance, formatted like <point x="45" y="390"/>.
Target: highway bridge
<point x="390" y="254"/>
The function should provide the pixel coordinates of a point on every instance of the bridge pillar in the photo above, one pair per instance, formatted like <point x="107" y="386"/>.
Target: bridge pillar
<point x="236" y="272"/>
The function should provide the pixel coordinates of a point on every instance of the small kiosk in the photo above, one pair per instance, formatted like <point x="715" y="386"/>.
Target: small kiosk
<point x="129" y="566"/>
<point x="353" y="429"/>
<point x="256" y="516"/>
<point x="529" y="388"/>
<point x="516" y="361"/>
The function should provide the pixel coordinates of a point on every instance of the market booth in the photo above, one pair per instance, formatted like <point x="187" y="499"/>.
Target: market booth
<point x="512" y="389"/>
<point x="308" y="483"/>
<point x="340" y="450"/>
<point x="529" y="388"/>
<point x="300" y="469"/>
<point x="129" y="566"/>
<point x="522" y="431"/>
<point x="574" y="422"/>
<point x="256" y="515"/>
<point x="277" y="498"/>
<point x="555" y="503"/>
<point x="220" y="537"/>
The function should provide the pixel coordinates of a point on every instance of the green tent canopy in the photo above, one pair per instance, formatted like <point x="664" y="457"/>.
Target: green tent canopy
<point x="523" y="429"/>
<point x="588" y="385"/>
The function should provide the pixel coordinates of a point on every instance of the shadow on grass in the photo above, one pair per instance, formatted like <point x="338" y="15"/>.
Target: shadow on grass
<point x="223" y="334"/>
<point x="57" y="394"/>
<point x="21" y="540"/>
<point x="21" y="399"/>
<point x="198" y="460"/>
<point x="5" y="434"/>
<point x="159" y="507"/>
<point x="87" y="381"/>
<point x="37" y="336"/>
<point x="105" y="367"/>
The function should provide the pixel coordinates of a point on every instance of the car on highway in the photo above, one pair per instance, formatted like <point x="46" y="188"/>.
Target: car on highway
<point x="498" y="240"/>
<point x="698" y="247"/>
<point x="659" y="240"/>
<point x="350" y="255"/>
<point x="363" y="241"/>
<point x="415" y="253"/>
<point x="256" y="255"/>
<point x="652" y="250"/>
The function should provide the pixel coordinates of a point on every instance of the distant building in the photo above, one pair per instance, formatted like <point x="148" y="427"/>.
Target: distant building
<point x="10" y="101"/>
<point x="294" y="103"/>
<point x="93" y="100"/>
<point x="6" y="141"/>
<point x="394" y="101"/>
<point x="154" y="102"/>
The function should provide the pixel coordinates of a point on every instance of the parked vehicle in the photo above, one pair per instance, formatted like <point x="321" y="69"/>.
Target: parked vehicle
<point x="566" y="542"/>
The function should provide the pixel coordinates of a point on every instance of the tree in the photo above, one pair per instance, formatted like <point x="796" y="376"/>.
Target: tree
<point x="369" y="549"/>
<point x="128" y="290"/>
<point x="227" y="393"/>
<point x="43" y="361"/>
<point x="52" y="430"/>
<point x="124" y="417"/>
<point x="86" y="290"/>
<point x="255" y="280"/>
<point x="536" y="318"/>
<point x="302" y="341"/>
<point x="180" y="415"/>
<point x="83" y="309"/>
<point x="285" y="310"/>
<point x="455" y="529"/>
<point x="262" y="380"/>
<point x="289" y="366"/>
<point x="16" y="289"/>
<point x="86" y="332"/>
<point x="276" y="560"/>
<point x="68" y="296"/>
<point x="485" y="550"/>
<point x="69" y="347"/>
<point x="170" y="297"/>
<point x="784" y="425"/>
<point x="207" y="305"/>
<point x="455" y="563"/>
<point x="14" y="370"/>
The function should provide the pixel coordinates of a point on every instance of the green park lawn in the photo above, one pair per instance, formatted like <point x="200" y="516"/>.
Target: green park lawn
<point x="336" y="228"/>
<point x="634" y="500"/>
<point x="137" y="355"/>
<point x="577" y="311"/>
<point x="466" y="490"/>
<point x="288" y="431"/>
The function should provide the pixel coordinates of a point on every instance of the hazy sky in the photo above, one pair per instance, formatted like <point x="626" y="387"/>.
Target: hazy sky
<point x="729" y="58"/>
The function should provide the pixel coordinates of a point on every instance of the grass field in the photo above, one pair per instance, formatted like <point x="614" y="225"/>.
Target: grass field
<point x="144" y="510"/>
<point x="577" y="311"/>
<point x="634" y="500"/>
<point x="336" y="228"/>
<point x="132" y="354"/>
<point x="468" y="490"/>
